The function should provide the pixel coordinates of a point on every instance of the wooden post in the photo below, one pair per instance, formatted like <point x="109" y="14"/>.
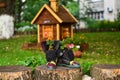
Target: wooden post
<point x="60" y="73"/>
<point x="39" y="33"/>
<point x="58" y="32"/>
<point x="15" y="73"/>
<point x="105" y="72"/>
<point x="71" y="31"/>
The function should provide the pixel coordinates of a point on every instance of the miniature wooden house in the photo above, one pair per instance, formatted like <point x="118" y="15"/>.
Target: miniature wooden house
<point x="54" y="22"/>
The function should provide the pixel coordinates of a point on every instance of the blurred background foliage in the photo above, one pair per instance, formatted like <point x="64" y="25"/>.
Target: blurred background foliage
<point x="103" y="25"/>
<point x="25" y="10"/>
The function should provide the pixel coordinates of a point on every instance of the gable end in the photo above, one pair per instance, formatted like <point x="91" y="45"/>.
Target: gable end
<point x="45" y="18"/>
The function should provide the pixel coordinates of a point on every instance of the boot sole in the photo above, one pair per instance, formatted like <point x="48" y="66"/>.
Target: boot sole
<point x="69" y="66"/>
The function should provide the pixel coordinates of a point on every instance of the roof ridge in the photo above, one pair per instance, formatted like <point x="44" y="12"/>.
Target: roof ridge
<point x="50" y="10"/>
<point x="69" y="13"/>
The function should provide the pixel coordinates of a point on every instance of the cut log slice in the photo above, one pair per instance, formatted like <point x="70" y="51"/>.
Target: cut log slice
<point x="105" y="72"/>
<point x="15" y="73"/>
<point x="60" y="73"/>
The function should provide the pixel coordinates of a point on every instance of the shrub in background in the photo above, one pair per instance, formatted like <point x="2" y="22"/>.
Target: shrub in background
<point x="25" y="27"/>
<point x="91" y="23"/>
<point x="21" y="24"/>
<point x="108" y="25"/>
<point x="117" y="24"/>
<point x="103" y="24"/>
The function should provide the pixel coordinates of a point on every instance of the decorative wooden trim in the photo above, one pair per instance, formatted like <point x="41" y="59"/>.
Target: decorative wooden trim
<point x="71" y="31"/>
<point x="70" y="14"/>
<point x="42" y="32"/>
<point x="38" y="33"/>
<point x="52" y="31"/>
<point x="58" y="31"/>
<point x="50" y="10"/>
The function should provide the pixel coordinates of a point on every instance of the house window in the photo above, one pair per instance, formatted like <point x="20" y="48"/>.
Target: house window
<point x="65" y="32"/>
<point x="47" y="32"/>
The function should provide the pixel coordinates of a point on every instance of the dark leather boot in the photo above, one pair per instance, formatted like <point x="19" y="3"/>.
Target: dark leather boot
<point x="51" y="65"/>
<point x="67" y="60"/>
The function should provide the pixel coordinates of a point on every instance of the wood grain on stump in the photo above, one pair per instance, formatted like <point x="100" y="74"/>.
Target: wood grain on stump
<point x="60" y="73"/>
<point x="105" y="72"/>
<point x="15" y="73"/>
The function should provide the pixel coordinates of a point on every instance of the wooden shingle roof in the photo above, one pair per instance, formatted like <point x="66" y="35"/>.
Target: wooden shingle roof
<point x="62" y="16"/>
<point x="65" y="15"/>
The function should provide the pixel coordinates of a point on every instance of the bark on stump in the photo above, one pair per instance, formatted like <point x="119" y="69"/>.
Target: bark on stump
<point x="105" y="72"/>
<point x="60" y="73"/>
<point x="15" y="73"/>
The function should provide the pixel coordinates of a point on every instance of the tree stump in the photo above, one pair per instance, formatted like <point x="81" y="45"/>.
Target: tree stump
<point x="15" y="73"/>
<point x="105" y="72"/>
<point x="60" y="73"/>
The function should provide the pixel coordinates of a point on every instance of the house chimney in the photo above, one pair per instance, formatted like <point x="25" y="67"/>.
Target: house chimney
<point x="54" y="5"/>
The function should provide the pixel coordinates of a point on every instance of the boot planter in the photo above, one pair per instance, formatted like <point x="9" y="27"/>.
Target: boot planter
<point x="84" y="46"/>
<point x="77" y="53"/>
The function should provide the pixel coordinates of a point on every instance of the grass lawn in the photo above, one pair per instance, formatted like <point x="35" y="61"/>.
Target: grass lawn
<point x="11" y="52"/>
<point x="104" y="47"/>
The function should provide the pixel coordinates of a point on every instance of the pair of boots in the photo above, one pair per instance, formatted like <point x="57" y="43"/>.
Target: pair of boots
<point x="63" y="58"/>
<point x="59" y="57"/>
